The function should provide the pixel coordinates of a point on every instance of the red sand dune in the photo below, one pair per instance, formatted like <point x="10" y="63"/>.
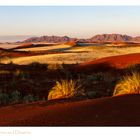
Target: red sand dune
<point x="119" y="61"/>
<point x="25" y="45"/>
<point x="72" y="43"/>
<point x="110" y="111"/>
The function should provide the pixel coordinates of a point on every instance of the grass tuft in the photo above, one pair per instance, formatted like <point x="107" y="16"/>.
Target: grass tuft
<point x="128" y="85"/>
<point x="65" y="89"/>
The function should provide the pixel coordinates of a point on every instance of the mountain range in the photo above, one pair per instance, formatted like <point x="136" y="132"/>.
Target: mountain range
<point x="97" y="38"/>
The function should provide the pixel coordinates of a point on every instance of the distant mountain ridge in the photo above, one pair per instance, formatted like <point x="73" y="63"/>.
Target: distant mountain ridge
<point x="97" y="38"/>
<point x="111" y="38"/>
<point x="51" y="39"/>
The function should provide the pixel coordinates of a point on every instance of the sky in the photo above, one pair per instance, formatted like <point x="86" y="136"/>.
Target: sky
<point x="73" y="21"/>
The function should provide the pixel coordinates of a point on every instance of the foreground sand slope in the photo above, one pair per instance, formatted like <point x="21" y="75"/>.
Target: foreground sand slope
<point x="122" y="110"/>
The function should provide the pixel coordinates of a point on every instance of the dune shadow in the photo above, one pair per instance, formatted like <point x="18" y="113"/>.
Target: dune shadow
<point x="101" y="67"/>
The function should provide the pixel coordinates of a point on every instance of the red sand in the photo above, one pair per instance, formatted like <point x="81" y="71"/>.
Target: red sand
<point x="25" y="45"/>
<point x="120" y="61"/>
<point x="110" y="111"/>
<point x="72" y="43"/>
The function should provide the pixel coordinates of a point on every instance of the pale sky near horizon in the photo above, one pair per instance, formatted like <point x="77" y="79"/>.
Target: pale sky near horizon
<point x="73" y="21"/>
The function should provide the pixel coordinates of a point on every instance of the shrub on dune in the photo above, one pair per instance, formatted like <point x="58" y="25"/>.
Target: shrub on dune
<point x="4" y="72"/>
<point x="15" y="97"/>
<point x="65" y="89"/>
<point x="4" y="99"/>
<point x="128" y="85"/>
<point x="28" y="98"/>
<point x="55" y="67"/>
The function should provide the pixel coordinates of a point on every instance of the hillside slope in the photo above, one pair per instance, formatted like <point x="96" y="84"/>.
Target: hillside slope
<point x="111" y="111"/>
<point x="117" y="62"/>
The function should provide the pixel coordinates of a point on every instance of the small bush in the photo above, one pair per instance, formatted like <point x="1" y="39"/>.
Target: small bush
<point x="34" y="64"/>
<point x="36" y="98"/>
<point x="37" y="65"/>
<point x="108" y="77"/>
<point x="28" y="98"/>
<point x="4" y="99"/>
<point x="91" y="94"/>
<point x="65" y="89"/>
<point x="128" y="85"/>
<point x="21" y="74"/>
<point x="17" y="72"/>
<point x="4" y="72"/>
<point x="15" y="97"/>
<point x="91" y="78"/>
<point x="54" y="67"/>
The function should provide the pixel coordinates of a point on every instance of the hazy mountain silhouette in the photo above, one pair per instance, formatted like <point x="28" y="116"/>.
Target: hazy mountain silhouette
<point x="96" y="38"/>
<point x="54" y="39"/>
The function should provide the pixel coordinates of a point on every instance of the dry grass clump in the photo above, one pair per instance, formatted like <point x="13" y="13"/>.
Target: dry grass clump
<point x="128" y="85"/>
<point x="4" y="99"/>
<point x="4" y="72"/>
<point x="65" y="89"/>
<point x="132" y="67"/>
<point x="21" y="74"/>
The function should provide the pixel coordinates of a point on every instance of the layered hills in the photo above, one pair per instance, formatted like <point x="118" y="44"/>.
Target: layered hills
<point x="97" y="38"/>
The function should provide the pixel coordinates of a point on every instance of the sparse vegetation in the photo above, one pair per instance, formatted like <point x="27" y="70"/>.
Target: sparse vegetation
<point x="28" y="98"/>
<point x="91" y="94"/>
<point x="28" y="83"/>
<point x="91" y="78"/>
<point x="54" y="67"/>
<point x="21" y="74"/>
<point x="4" y="72"/>
<point x="15" y="97"/>
<point x="67" y="54"/>
<point x="4" y="99"/>
<point x="128" y="85"/>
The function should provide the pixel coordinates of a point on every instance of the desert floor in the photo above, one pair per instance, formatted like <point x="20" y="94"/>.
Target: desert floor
<point x="100" y="66"/>
<point x="65" y="53"/>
